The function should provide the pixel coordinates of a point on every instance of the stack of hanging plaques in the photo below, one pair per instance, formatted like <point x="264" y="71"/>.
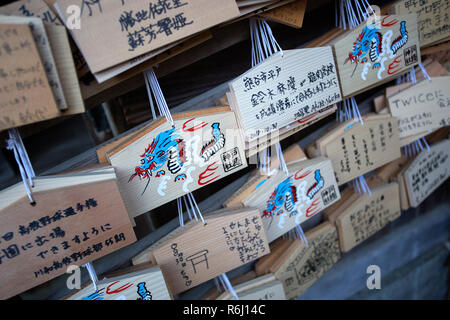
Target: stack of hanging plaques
<point x="76" y="218"/>
<point x="299" y="266"/>
<point x="378" y="50"/>
<point x="421" y="107"/>
<point x="197" y="252"/>
<point x="160" y="163"/>
<point x="358" y="217"/>
<point x="266" y="287"/>
<point x="427" y="172"/>
<point x="39" y="73"/>
<point x="356" y="148"/>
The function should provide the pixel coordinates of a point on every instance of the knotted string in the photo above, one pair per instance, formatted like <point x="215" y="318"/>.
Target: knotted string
<point x="226" y="284"/>
<point x="92" y="274"/>
<point x="351" y="13"/>
<point x="15" y="144"/>
<point x="265" y="45"/>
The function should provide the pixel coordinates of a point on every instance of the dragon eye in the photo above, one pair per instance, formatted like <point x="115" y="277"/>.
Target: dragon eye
<point x="160" y="154"/>
<point x="149" y="158"/>
<point x="142" y="161"/>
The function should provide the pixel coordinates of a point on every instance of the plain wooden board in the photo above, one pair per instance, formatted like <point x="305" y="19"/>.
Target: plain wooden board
<point x="291" y="14"/>
<point x="197" y="253"/>
<point x="422" y="107"/>
<point x="31" y="8"/>
<point x="432" y="19"/>
<point x="108" y="42"/>
<point x="427" y="172"/>
<point x="270" y="291"/>
<point x="98" y="226"/>
<point x="300" y="266"/>
<point x="59" y="42"/>
<point x="437" y="48"/>
<point x="140" y="198"/>
<point x="131" y="286"/>
<point x="145" y="61"/>
<point x="355" y="78"/>
<point x="45" y="52"/>
<point x="266" y="287"/>
<point x="277" y="248"/>
<point x="389" y="171"/>
<point x="404" y="198"/>
<point x="355" y="136"/>
<point x="214" y="293"/>
<point x="94" y="88"/>
<point x="367" y="215"/>
<point x="292" y="154"/>
<point x="256" y="94"/>
<point x="32" y="100"/>
<point x="287" y="201"/>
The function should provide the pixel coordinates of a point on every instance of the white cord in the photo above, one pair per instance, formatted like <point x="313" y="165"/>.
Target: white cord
<point x="15" y="144"/>
<point x="152" y="85"/>
<point x="92" y="274"/>
<point x="227" y="285"/>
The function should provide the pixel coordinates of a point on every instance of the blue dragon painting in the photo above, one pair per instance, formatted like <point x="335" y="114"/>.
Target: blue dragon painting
<point x="369" y="45"/>
<point x="215" y="144"/>
<point x="318" y="184"/>
<point x="166" y="149"/>
<point x="284" y="196"/>
<point x="143" y="293"/>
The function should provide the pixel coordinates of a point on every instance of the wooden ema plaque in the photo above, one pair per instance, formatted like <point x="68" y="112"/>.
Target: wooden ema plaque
<point x="292" y="154"/>
<point x="113" y="32"/>
<point x="356" y="149"/>
<point x="422" y="107"/>
<point x="161" y="163"/>
<point x="376" y="52"/>
<point x="252" y="148"/>
<point x="25" y="94"/>
<point x="266" y="287"/>
<point x="45" y="52"/>
<point x="362" y="215"/>
<point x="286" y="201"/>
<point x="432" y="18"/>
<point x="288" y="86"/>
<point x="300" y="266"/>
<point x="196" y="253"/>
<point x="291" y="14"/>
<point x="433" y="68"/>
<point x="146" y="284"/>
<point x="31" y="8"/>
<point x="70" y="225"/>
<point x="427" y="172"/>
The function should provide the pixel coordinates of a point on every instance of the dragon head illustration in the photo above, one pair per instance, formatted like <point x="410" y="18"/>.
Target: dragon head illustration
<point x="158" y="153"/>
<point x="284" y="194"/>
<point x="363" y="43"/>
